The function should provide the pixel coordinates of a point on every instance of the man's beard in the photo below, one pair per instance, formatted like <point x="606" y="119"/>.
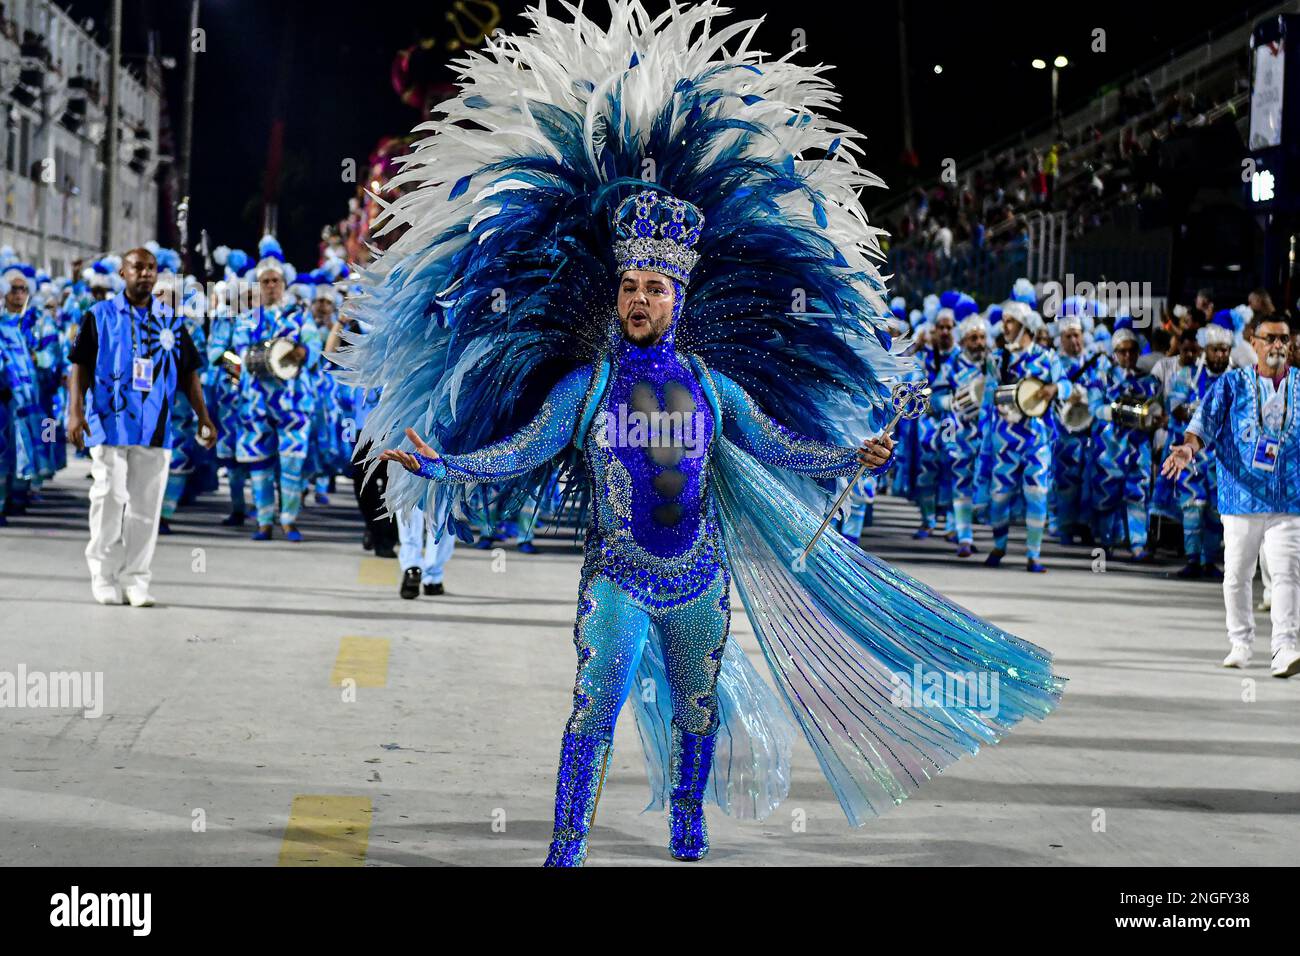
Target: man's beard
<point x="650" y="336"/>
<point x="1275" y="360"/>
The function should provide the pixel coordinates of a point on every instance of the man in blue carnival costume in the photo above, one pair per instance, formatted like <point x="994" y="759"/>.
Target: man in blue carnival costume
<point x="20" y="408"/>
<point x="1247" y="422"/>
<point x="934" y="474"/>
<point x="1197" y="488"/>
<point x="1021" y="445"/>
<point x="967" y="420"/>
<point x="692" y="387"/>
<point x="1121" y="481"/>
<point x="275" y="415"/>
<point x="221" y="385"/>
<point x="1074" y="446"/>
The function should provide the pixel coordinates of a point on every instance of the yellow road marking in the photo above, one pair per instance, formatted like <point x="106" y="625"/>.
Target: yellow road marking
<point x="380" y="572"/>
<point x="363" y="659"/>
<point x="326" y="830"/>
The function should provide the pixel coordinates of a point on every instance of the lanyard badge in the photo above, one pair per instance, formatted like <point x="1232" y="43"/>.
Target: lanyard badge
<point x="1265" y="455"/>
<point x="1265" y="458"/>
<point x="142" y="374"/>
<point x="141" y="366"/>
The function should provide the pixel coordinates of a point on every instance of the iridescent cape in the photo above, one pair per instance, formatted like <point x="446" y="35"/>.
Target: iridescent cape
<point x="889" y="681"/>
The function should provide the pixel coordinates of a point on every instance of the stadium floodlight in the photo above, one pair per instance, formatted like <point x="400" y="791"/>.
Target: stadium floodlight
<point x="938" y="68"/>
<point x="1060" y="63"/>
<point x="1038" y="64"/>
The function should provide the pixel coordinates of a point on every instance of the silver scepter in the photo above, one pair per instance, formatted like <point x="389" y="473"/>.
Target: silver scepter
<point x="909" y="400"/>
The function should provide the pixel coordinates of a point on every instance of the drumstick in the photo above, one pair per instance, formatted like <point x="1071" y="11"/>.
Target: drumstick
<point x="905" y="405"/>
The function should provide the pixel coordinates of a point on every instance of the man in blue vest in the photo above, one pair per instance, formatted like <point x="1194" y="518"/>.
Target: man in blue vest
<point x="131" y="356"/>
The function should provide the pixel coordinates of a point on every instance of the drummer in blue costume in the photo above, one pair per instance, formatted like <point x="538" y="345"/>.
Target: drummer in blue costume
<point x="1121" y="474"/>
<point x="963" y="394"/>
<point x="1072" y="451"/>
<point x="221" y="382"/>
<point x="1197" y="485"/>
<point x="275" y="413"/>
<point x="934" y="466"/>
<point x="1020" y="445"/>
<point x="21" y="414"/>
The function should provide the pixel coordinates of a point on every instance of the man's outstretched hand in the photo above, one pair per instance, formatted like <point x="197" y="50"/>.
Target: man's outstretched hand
<point x="405" y="458"/>
<point x="876" y="451"/>
<point x="1180" y="456"/>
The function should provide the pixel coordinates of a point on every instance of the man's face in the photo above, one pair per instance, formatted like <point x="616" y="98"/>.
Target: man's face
<point x="1072" y="342"/>
<point x="1203" y="304"/>
<point x="1012" y="330"/>
<point x="1126" y="355"/>
<point x="1256" y="303"/>
<point x="645" y="306"/>
<point x="1216" y="358"/>
<point x="1188" y="352"/>
<point x="1272" y="342"/>
<point x="975" y="345"/>
<point x="140" y="270"/>
<point x="271" y="287"/>
<point x="16" y="297"/>
<point x="323" y="311"/>
<point x="99" y="294"/>
<point x="943" y="334"/>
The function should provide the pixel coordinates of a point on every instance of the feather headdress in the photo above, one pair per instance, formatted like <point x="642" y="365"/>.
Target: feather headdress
<point x="503" y="279"/>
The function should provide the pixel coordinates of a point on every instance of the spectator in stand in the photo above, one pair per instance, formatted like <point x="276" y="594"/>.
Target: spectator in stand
<point x="1051" y="170"/>
<point x="943" y="241"/>
<point x="1261" y="304"/>
<point x="1205" y="304"/>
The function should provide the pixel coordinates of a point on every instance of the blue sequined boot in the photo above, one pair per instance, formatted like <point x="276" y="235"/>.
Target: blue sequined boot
<point x="577" y="790"/>
<point x="692" y="758"/>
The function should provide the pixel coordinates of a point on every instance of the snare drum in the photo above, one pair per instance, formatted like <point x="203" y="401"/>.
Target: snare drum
<point x="1136" y="411"/>
<point x="271" y="361"/>
<point x="1074" y="416"/>
<point x="966" y="401"/>
<point x="1023" y="399"/>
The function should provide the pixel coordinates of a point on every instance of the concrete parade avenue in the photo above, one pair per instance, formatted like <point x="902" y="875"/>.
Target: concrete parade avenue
<point x="281" y="705"/>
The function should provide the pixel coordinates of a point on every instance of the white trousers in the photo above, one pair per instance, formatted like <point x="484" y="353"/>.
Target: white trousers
<point x="1278" y="536"/>
<point x="418" y="549"/>
<point x="125" y="504"/>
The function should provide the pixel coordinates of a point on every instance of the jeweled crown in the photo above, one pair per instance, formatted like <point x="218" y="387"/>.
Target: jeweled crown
<point x="657" y="232"/>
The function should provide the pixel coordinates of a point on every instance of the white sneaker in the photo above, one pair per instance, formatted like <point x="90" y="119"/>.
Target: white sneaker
<point x="106" y="593"/>
<point x="139" y="597"/>
<point x="1239" y="656"/>
<point x="1286" y="662"/>
<point x="1265" y="604"/>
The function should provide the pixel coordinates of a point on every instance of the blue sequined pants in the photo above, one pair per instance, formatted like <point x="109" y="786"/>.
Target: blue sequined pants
<point x="609" y="634"/>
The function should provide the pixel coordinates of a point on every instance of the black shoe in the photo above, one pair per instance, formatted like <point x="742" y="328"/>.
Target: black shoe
<point x="235" y="520"/>
<point x="411" y="583"/>
<point x="385" y="551"/>
<point x="433" y="590"/>
<point x="368" y="541"/>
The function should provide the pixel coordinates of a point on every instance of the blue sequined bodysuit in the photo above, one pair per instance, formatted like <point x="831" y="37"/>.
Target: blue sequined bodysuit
<point x="654" y="552"/>
<point x="653" y="528"/>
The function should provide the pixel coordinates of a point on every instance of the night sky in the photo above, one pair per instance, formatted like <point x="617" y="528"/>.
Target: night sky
<point x="324" y="67"/>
